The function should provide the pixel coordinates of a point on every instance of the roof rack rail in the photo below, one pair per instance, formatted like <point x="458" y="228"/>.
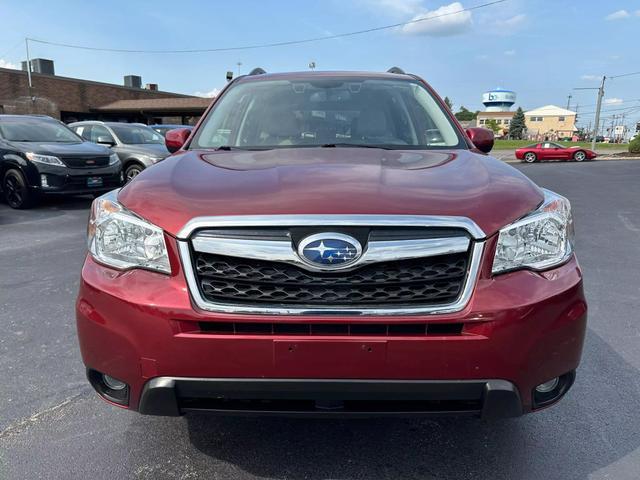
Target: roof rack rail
<point x="396" y="70"/>
<point x="257" y="71"/>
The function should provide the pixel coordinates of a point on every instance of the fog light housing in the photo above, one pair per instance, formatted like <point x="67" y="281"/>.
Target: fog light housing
<point x="108" y="387"/>
<point x="549" y="386"/>
<point x="43" y="180"/>
<point x="113" y="383"/>
<point x="552" y="390"/>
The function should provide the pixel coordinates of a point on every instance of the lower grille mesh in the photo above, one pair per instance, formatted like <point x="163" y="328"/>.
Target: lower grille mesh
<point x="424" y="281"/>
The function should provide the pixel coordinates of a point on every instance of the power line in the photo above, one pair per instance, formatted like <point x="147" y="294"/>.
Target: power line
<point x="624" y="75"/>
<point x="269" y="45"/>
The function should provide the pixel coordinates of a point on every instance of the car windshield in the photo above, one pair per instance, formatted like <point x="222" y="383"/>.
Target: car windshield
<point x="395" y="114"/>
<point x="136" y="134"/>
<point x="29" y="129"/>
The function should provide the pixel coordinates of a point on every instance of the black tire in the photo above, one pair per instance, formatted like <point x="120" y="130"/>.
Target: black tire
<point x="580" y="156"/>
<point x="530" y="157"/>
<point x="132" y="171"/>
<point x="16" y="191"/>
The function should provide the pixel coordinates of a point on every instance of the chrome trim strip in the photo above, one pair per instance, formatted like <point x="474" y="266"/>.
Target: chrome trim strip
<point x="283" y="251"/>
<point x="332" y="220"/>
<point x="459" y="304"/>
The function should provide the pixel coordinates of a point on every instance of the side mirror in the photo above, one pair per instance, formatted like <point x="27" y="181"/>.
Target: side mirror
<point x="108" y="141"/>
<point x="482" y="138"/>
<point x="176" y="138"/>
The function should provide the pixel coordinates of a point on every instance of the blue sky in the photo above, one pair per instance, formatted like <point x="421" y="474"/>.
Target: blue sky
<point x="539" y="48"/>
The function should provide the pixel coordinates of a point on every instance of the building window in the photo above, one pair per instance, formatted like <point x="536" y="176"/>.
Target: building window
<point x="482" y="121"/>
<point x="499" y="122"/>
<point x="506" y="121"/>
<point x="561" y="119"/>
<point x="536" y="119"/>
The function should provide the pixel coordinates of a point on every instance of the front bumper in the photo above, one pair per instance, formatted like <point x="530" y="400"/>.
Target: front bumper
<point x="300" y="397"/>
<point x="518" y="330"/>
<point x="75" y="181"/>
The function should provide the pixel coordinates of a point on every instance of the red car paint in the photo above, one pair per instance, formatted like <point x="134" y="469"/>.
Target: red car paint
<point x="553" y="151"/>
<point x="524" y="327"/>
<point x="326" y="181"/>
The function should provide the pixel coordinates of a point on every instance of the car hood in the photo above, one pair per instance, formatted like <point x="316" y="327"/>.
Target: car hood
<point x="331" y="181"/>
<point x="79" y="149"/>
<point x="152" y="149"/>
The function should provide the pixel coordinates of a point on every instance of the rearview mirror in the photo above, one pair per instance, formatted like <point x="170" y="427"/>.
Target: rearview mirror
<point x="176" y="138"/>
<point x="482" y="138"/>
<point x="104" y="140"/>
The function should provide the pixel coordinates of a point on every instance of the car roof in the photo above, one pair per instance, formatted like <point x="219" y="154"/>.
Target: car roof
<point x="313" y="75"/>
<point x="108" y="124"/>
<point x="36" y="117"/>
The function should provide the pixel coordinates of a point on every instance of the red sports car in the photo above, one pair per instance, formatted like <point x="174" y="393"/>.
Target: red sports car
<point x="553" y="151"/>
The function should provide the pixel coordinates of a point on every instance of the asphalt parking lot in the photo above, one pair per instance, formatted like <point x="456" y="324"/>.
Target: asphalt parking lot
<point x="52" y="425"/>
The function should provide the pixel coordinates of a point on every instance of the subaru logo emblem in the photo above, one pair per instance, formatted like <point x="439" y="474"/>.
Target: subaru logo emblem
<point x="330" y="251"/>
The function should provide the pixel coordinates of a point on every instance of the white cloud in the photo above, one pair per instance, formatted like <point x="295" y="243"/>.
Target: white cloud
<point x="612" y="101"/>
<point x="444" y="21"/>
<point x="619" y="15"/>
<point x="509" y="52"/>
<point x="209" y="94"/>
<point x="6" y="64"/>
<point x="510" y="23"/>
<point x="590" y="78"/>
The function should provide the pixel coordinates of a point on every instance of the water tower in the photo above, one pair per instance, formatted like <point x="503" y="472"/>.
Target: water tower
<point x="498" y="100"/>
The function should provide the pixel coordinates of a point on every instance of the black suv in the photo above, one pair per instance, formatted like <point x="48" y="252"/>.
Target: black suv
<point x="39" y="154"/>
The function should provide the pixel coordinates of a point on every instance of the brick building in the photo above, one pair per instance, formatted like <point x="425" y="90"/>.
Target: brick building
<point x="73" y="99"/>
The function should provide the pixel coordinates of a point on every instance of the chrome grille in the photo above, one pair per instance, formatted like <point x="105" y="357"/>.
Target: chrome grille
<point x="225" y="257"/>
<point x="422" y="281"/>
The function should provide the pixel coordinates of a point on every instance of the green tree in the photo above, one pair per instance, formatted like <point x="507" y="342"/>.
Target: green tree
<point x="634" y="145"/>
<point x="465" y="115"/>
<point x="448" y="102"/>
<point x="493" y="125"/>
<point x="517" y="125"/>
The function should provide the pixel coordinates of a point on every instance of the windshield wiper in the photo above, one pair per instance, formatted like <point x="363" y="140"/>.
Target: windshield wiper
<point x="354" y="145"/>
<point x="228" y="148"/>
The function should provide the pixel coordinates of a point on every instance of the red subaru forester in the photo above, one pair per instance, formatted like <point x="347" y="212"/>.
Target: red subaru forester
<point x="331" y="243"/>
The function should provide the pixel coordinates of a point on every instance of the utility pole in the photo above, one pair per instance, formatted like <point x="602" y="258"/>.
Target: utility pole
<point x="597" y="120"/>
<point x="596" y="125"/>
<point x="239" y="64"/>
<point x="568" y="101"/>
<point x="31" y="99"/>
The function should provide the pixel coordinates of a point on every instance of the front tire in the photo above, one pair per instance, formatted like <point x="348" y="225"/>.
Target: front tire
<point x="16" y="191"/>
<point x="530" y="157"/>
<point x="579" y="156"/>
<point x="132" y="171"/>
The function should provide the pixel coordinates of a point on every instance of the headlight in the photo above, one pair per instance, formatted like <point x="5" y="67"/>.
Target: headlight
<point x="121" y="239"/>
<point x="152" y="158"/>
<point x="540" y="240"/>
<point x="113" y="159"/>
<point x="45" y="159"/>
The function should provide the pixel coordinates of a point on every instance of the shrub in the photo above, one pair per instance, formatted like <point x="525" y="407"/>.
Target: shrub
<point x="634" y="145"/>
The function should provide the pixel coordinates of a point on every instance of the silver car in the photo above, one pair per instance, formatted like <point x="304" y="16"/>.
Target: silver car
<point x="137" y="145"/>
